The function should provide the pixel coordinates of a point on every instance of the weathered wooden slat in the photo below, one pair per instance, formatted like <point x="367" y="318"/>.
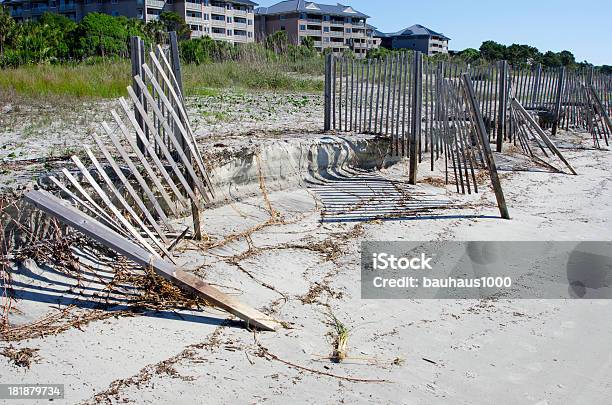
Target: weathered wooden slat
<point x="112" y="207"/>
<point x="128" y="186"/>
<point x="134" y="170"/>
<point x="484" y="138"/>
<point x="173" y="139"/>
<point x="103" y="214"/>
<point x="92" y="228"/>
<point x="126" y="206"/>
<point x="149" y="147"/>
<point x="164" y="149"/>
<point x="542" y="134"/>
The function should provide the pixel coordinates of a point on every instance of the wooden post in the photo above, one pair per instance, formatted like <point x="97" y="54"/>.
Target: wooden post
<point x="484" y="138"/>
<point x="328" y="84"/>
<point x="560" y="87"/>
<point x="137" y="61"/>
<point x="536" y="86"/>
<point x="176" y="70"/>
<point x="415" y="122"/>
<point x="503" y="103"/>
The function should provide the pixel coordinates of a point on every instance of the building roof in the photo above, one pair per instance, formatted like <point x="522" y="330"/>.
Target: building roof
<point x="415" y="30"/>
<point x="303" y="6"/>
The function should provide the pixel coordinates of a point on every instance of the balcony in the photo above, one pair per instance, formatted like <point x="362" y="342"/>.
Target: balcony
<point x="336" y="34"/>
<point x="67" y="7"/>
<point x="193" y="20"/>
<point x="217" y="10"/>
<point x="192" y="6"/>
<point x="156" y="4"/>
<point x="217" y="23"/>
<point x="240" y="12"/>
<point x="311" y="32"/>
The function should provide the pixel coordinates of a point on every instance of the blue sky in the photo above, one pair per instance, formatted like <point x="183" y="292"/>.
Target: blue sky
<point x="582" y="27"/>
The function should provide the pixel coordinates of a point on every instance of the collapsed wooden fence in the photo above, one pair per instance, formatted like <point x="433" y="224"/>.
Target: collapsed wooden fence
<point x="147" y="173"/>
<point x="433" y="110"/>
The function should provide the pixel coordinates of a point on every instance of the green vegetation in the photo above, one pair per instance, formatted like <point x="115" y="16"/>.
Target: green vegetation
<point x="57" y="57"/>
<point x="109" y="79"/>
<point x="56" y="39"/>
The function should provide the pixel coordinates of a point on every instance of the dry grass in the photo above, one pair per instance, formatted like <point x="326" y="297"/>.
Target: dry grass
<point x="23" y="357"/>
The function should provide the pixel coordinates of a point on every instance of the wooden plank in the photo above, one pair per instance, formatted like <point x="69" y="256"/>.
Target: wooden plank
<point x="328" y="92"/>
<point x="186" y="135"/>
<point x="112" y="207"/>
<point x="484" y="138"/>
<point x="135" y="54"/>
<point x="176" y="97"/>
<point x="103" y="214"/>
<point x="559" y="98"/>
<point x="179" y="149"/>
<point x="601" y="108"/>
<point x="149" y="147"/>
<point x="542" y="134"/>
<point x="92" y="228"/>
<point x="128" y="186"/>
<point x="126" y="206"/>
<point x="415" y="121"/>
<point x="136" y="174"/>
<point x="163" y="147"/>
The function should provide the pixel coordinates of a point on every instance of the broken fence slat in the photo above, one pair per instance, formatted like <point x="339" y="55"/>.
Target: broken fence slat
<point x="542" y="134"/>
<point x="92" y="228"/>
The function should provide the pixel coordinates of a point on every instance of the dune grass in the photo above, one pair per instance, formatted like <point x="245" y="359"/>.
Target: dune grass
<point x="109" y="80"/>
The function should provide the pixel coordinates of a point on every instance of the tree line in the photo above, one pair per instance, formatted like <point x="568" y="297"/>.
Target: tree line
<point x="55" y="38"/>
<point x="524" y="55"/>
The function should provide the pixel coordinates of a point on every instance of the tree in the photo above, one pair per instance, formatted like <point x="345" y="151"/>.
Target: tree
<point x="308" y="42"/>
<point x="469" y="55"/>
<point x="174" y="22"/>
<point x="522" y="55"/>
<point x="101" y="34"/>
<point x="567" y="58"/>
<point x="58" y="31"/>
<point x="277" y="42"/>
<point x="551" y="59"/>
<point x="492" y="51"/>
<point x="7" y="24"/>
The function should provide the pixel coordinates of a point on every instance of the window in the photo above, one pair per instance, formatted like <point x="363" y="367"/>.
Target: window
<point x="326" y="39"/>
<point x="326" y="18"/>
<point x="250" y="34"/>
<point x="250" y="22"/>
<point x="229" y="19"/>
<point x="115" y="14"/>
<point x="229" y="32"/>
<point x="325" y="29"/>
<point x="302" y="28"/>
<point x="140" y="13"/>
<point x="114" y="1"/>
<point x="283" y="28"/>
<point x="348" y="30"/>
<point x="282" y="17"/>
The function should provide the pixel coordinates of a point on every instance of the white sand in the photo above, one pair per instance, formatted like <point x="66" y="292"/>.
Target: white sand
<point x="503" y="352"/>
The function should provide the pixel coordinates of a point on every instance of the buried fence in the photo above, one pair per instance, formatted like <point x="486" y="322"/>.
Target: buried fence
<point x="436" y="109"/>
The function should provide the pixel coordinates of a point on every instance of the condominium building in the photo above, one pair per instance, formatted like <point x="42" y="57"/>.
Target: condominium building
<point x="337" y="27"/>
<point x="228" y="20"/>
<point x="417" y="37"/>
